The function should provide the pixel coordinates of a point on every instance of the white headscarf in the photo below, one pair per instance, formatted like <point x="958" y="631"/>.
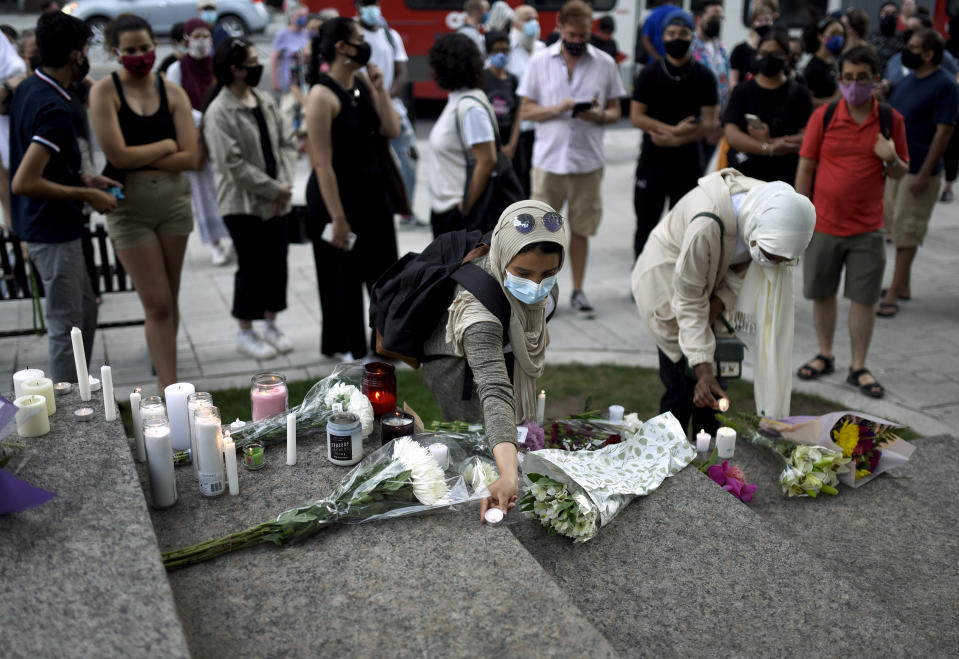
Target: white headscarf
<point x="781" y="221"/>
<point x="528" y="336"/>
<point x="501" y="17"/>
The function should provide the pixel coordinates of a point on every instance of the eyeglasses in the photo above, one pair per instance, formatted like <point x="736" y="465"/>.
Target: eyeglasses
<point x="524" y="222"/>
<point x="862" y="78"/>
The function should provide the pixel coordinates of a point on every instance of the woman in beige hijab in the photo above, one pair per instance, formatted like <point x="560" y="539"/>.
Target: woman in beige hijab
<point x="525" y="255"/>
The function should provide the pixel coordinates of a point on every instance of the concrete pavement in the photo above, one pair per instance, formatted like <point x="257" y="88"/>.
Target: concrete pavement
<point x="914" y="354"/>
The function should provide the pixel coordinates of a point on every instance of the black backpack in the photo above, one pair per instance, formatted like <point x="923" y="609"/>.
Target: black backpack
<point x="408" y="300"/>
<point x="885" y="118"/>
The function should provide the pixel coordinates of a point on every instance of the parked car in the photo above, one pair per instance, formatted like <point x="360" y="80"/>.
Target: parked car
<point x="237" y="17"/>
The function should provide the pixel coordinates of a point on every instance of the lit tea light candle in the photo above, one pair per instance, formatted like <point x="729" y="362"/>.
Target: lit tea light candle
<point x="32" y="419"/>
<point x="725" y="442"/>
<point x="723" y="404"/>
<point x="253" y="456"/>
<point x="62" y="388"/>
<point x="493" y="516"/>
<point x="702" y="441"/>
<point x="83" y="414"/>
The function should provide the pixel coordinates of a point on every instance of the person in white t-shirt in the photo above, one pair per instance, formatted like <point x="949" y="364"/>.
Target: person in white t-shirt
<point x="389" y="54"/>
<point x="465" y="123"/>
<point x="524" y="43"/>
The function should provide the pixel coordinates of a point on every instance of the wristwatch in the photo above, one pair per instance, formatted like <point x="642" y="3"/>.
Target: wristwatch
<point x="895" y="161"/>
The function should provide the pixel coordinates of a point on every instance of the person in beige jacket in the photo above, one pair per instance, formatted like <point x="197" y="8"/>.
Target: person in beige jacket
<point x="254" y="157"/>
<point x="727" y="246"/>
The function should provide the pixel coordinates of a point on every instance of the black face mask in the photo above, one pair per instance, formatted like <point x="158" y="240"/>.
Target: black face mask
<point x="574" y="48"/>
<point x="677" y="48"/>
<point x="887" y="25"/>
<point x="762" y="30"/>
<point x="906" y="36"/>
<point x="83" y="68"/>
<point x="35" y="62"/>
<point x="711" y="29"/>
<point x="911" y="60"/>
<point x="769" y="65"/>
<point x="363" y="52"/>
<point x="253" y="75"/>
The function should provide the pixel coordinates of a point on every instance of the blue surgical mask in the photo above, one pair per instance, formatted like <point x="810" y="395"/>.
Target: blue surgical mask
<point x="834" y="44"/>
<point x="526" y="291"/>
<point x="208" y="16"/>
<point x="499" y="60"/>
<point x="301" y="22"/>
<point x="531" y="29"/>
<point x="370" y="15"/>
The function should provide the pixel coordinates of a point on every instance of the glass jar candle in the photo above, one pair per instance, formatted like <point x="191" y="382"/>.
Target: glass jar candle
<point x="159" y="450"/>
<point x="268" y="395"/>
<point x="195" y="401"/>
<point x="379" y="385"/>
<point x="344" y="439"/>
<point x="253" y="456"/>
<point x="395" y="425"/>
<point x="209" y="451"/>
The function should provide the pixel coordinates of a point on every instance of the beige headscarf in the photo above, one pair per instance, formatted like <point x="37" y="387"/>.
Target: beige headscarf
<point x="528" y="336"/>
<point x="781" y="221"/>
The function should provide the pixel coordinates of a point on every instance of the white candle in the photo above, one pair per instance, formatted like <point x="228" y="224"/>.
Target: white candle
<point x="209" y="452"/>
<point x="40" y="387"/>
<point x="80" y="359"/>
<point x="22" y="376"/>
<point x="440" y="453"/>
<point x="139" y="451"/>
<point x="616" y="412"/>
<point x="229" y="452"/>
<point x="194" y="402"/>
<point x="541" y="406"/>
<point x="175" y="396"/>
<point x="725" y="442"/>
<point x="32" y="419"/>
<point x="109" y="406"/>
<point x="702" y="441"/>
<point x="291" y="439"/>
<point x="159" y="450"/>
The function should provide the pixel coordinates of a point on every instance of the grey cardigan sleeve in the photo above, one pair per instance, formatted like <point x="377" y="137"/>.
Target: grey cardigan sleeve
<point x="483" y="345"/>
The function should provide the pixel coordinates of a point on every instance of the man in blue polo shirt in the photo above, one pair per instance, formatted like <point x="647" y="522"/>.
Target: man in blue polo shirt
<point x="49" y="190"/>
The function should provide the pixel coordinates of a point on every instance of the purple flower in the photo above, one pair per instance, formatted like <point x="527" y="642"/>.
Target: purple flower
<point x="535" y="436"/>
<point x="732" y="480"/>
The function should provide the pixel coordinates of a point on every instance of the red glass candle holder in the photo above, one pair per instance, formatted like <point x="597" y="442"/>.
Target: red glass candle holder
<point x="379" y="385"/>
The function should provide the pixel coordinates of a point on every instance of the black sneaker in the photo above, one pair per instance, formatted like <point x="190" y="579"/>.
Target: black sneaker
<point x="582" y="305"/>
<point x="946" y="196"/>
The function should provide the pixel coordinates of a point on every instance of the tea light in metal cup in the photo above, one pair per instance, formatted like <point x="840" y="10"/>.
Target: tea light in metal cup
<point x="723" y="404"/>
<point x="83" y="414"/>
<point x="94" y="384"/>
<point x="62" y="388"/>
<point x="493" y="516"/>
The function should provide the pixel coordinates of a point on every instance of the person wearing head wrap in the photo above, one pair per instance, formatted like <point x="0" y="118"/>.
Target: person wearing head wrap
<point x="525" y="255"/>
<point x="692" y="269"/>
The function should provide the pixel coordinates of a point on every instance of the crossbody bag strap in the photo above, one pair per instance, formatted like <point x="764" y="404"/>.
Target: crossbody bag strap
<point x="722" y="234"/>
<point x="459" y="131"/>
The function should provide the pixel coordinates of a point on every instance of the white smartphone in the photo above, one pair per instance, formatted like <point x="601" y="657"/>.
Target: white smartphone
<point x="754" y="121"/>
<point x="327" y="235"/>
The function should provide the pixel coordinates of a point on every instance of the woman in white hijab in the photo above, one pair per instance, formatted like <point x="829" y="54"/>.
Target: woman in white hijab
<point x="525" y="255"/>
<point x="727" y="246"/>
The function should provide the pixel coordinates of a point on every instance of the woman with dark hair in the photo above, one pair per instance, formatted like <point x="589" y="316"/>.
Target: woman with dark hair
<point x="825" y="40"/>
<point x="254" y="159"/>
<point x="144" y="126"/>
<point x="856" y="22"/>
<point x="761" y="21"/>
<point x="766" y="116"/>
<point x="349" y="116"/>
<point x="463" y="130"/>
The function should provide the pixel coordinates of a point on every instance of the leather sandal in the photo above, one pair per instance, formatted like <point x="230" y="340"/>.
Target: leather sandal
<point x="809" y="372"/>
<point x="873" y="389"/>
<point x="887" y="309"/>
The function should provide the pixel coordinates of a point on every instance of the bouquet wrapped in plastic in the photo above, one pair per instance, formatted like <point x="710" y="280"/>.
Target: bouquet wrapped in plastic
<point x="574" y="493"/>
<point x="340" y="388"/>
<point x="589" y="433"/>
<point x="403" y="477"/>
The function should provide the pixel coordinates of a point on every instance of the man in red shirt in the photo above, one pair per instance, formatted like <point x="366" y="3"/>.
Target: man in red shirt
<point x="849" y="158"/>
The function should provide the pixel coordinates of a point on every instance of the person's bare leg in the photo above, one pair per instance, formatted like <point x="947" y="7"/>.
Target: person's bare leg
<point x="578" y="249"/>
<point x="824" y="317"/>
<point x="174" y="251"/>
<point x="862" y="319"/>
<point x="901" y="285"/>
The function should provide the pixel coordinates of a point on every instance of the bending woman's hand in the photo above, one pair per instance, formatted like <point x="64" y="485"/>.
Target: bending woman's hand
<point x="504" y="490"/>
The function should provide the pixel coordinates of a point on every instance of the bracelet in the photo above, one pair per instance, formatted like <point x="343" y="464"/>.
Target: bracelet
<point x="765" y="148"/>
<point x="888" y="165"/>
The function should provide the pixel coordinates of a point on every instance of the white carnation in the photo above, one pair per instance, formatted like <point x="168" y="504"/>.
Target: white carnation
<point x="352" y="400"/>
<point x="429" y="483"/>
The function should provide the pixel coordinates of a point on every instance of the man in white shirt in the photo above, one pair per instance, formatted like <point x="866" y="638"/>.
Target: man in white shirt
<point x="524" y="43"/>
<point x="571" y="90"/>
<point x="389" y="54"/>
<point x="476" y="12"/>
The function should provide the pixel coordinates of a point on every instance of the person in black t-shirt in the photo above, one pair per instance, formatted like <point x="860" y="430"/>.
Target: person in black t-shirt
<point x="767" y="149"/>
<point x="825" y="40"/>
<point x="741" y="59"/>
<point x="500" y="87"/>
<point x="675" y="103"/>
<point x="178" y="41"/>
<point x="603" y="37"/>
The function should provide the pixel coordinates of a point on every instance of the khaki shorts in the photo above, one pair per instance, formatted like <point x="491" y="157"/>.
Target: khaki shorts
<point x="154" y="203"/>
<point x="582" y="191"/>
<point x="864" y="257"/>
<point x="907" y="216"/>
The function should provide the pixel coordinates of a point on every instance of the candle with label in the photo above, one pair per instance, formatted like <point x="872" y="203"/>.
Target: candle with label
<point x="702" y="441"/>
<point x="725" y="442"/>
<point x="139" y="450"/>
<point x="32" y="419"/>
<point x="80" y="361"/>
<point x="176" y="395"/>
<point x="22" y="376"/>
<point x="159" y="450"/>
<point x="109" y="405"/>
<point x="291" y="439"/>
<point x="209" y="451"/>
<point x="41" y="387"/>
<point x="229" y="452"/>
<point x="344" y="439"/>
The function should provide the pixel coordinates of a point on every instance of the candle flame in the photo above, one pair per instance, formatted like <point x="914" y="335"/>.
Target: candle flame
<point x="137" y="390"/>
<point x="376" y="395"/>
<point x="723" y="404"/>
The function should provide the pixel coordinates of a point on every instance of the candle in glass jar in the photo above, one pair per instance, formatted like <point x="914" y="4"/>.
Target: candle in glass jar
<point x="159" y="450"/>
<point x="269" y="395"/>
<point x="702" y="441"/>
<point x="379" y="385"/>
<point x="395" y="425"/>
<point x="253" y="456"/>
<point x="139" y="450"/>
<point x="209" y="451"/>
<point x="32" y="419"/>
<point x="176" y="395"/>
<point x="41" y="387"/>
<point x="195" y="401"/>
<point x="22" y="376"/>
<point x="725" y="442"/>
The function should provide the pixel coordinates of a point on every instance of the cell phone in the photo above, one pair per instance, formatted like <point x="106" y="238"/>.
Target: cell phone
<point x="583" y="107"/>
<point x="754" y="121"/>
<point x="327" y="235"/>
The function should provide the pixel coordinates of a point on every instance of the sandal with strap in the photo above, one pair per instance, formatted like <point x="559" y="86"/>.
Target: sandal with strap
<point x="872" y="389"/>
<point x="809" y="372"/>
<point x="887" y="309"/>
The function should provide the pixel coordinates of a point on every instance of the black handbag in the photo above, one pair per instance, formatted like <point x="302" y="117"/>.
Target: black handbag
<point x="502" y="189"/>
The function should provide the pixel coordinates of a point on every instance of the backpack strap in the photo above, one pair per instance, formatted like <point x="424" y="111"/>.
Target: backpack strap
<point x="885" y="119"/>
<point x="827" y="115"/>
<point x="722" y="229"/>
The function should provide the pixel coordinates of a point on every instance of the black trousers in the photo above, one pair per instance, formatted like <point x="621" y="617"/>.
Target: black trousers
<point x="951" y="157"/>
<point x="259" y="284"/>
<point x="451" y="220"/>
<point x="678" y="397"/>
<point x="523" y="159"/>
<point x="655" y="184"/>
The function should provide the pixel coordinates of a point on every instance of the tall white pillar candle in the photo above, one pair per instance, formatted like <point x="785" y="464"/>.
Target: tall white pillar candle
<point x="109" y="405"/>
<point x="22" y="376"/>
<point x="159" y="450"/>
<point x="291" y="439"/>
<point x="229" y="452"/>
<point x="541" y="407"/>
<point x="725" y="442"/>
<point x="209" y="452"/>
<point x="40" y="387"/>
<point x="31" y="417"/>
<point x="139" y="451"/>
<point x="175" y="396"/>
<point x="80" y="359"/>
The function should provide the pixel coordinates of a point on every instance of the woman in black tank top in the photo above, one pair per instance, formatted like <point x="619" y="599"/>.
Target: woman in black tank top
<point x="145" y="128"/>
<point x="349" y="117"/>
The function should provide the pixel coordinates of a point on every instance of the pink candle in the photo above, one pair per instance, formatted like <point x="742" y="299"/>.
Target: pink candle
<point x="268" y="396"/>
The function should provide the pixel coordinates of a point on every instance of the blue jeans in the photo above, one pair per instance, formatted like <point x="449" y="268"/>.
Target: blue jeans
<point x="403" y="147"/>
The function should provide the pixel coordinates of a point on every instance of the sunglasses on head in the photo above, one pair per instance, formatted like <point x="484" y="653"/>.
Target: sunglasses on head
<point x="524" y="222"/>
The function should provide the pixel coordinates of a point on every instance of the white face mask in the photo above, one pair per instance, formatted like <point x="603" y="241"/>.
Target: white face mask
<point x="199" y="48"/>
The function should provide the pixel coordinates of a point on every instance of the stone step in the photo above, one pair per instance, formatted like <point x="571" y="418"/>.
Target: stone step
<point x="691" y="571"/>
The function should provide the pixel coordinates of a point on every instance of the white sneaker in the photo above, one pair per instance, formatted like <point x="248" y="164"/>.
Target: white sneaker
<point x="251" y="345"/>
<point x="218" y="255"/>
<point x="277" y="339"/>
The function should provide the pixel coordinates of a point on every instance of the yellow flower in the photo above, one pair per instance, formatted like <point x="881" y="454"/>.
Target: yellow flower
<point x="862" y="472"/>
<point x="846" y="438"/>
